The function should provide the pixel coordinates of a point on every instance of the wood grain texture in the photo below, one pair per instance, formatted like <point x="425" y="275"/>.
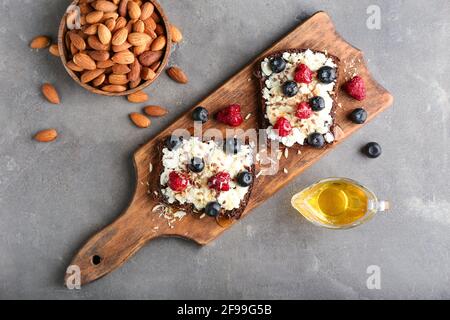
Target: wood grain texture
<point x="138" y="224"/>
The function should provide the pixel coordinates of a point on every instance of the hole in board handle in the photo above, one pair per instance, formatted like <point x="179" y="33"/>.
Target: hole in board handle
<point x="96" y="260"/>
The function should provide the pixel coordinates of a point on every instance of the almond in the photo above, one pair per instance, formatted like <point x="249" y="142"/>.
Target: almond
<point x="150" y="57"/>
<point x="119" y="37"/>
<point x="105" y="6"/>
<point x="149" y="24"/>
<point x="104" y="35"/>
<point x="72" y="66"/>
<point x="159" y="30"/>
<point x="135" y="84"/>
<point x="95" y="43"/>
<point x="46" y="135"/>
<point x="139" y="26"/>
<point x="124" y="46"/>
<point x="84" y="61"/>
<point x="110" y="15"/>
<point x="155" y="111"/>
<point x="110" y="24"/>
<point x="77" y="41"/>
<point x="175" y="33"/>
<point x="123" y="8"/>
<point x="99" y="80"/>
<point x="91" y="30"/>
<point x="147" y="10"/>
<point x="94" y="17"/>
<point x="159" y="43"/>
<point x="121" y="22"/>
<point x="139" y="39"/>
<point x="177" y="75"/>
<point x="120" y="69"/>
<point x="114" y="88"/>
<point x="137" y="97"/>
<point x="134" y="11"/>
<point x="100" y="55"/>
<point x="54" y="50"/>
<point x="50" y="93"/>
<point x="121" y="79"/>
<point x="147" y="74"/>
<point x="105" y="64"/>
<point x="155" y="17"/>
<point x="123" y="57"/>
<point x="40" y="42"/>
<point x="90" y="75"/>
<point x="141" y="49"/>
<point x="155" y="66"/>
<point x="140" y="120"/>
<point x="135" y="71"/>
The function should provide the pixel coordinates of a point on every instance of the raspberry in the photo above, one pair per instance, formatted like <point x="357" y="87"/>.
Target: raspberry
<point x="177" y="181"/>
<point x="230" y="115"/>
<point x="303" y="111"/>
<point x="356" y="88"/>
<point x="283" y="126"/>
<point x="220" y="181"/>
<point x="303" y="74"/>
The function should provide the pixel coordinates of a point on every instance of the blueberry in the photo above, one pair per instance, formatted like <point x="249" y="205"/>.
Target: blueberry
<point x="290" y="88"/>
<point x="277" y="64"/>
<point x="197" y="164"/>
<point x="212" y="209"/>
<point x="326" y="74"/>
<point x="317" y="103"/>
<point x="200" y="114"/>
<point x="244" y="179"/>
<point x="359" y="115"/>
<point x="316" y="140"/>
<point x="173" y="142"/>
<point x="232" y="146"/>
<point x="372" y="150"/>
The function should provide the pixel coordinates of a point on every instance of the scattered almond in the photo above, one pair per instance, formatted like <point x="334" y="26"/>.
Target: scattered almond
<point x="140" y="120"/>
<point x="54" y="50"/>
<point x="177" y="75"/>
<point x="40" y="42"/>
<point x="50" y="93"/>
<point x="46" y="135"/>
<point x="155" y="111"/>
<point x="138" y="97"/>
<point x="175" y="33"/>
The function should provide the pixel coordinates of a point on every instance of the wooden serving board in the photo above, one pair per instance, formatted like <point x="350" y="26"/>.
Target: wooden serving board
<point x="116" y="243"/>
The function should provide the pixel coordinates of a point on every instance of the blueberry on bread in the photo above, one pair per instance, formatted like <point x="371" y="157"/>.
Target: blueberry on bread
<point x="298" y="94"/>
<point x="209" y="177"/>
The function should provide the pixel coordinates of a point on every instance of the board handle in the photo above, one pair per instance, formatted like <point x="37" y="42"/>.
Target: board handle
<point x="108" y="249"/>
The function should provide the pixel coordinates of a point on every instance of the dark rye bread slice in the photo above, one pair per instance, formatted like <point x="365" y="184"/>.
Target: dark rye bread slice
<point x="190" y="208"/>
<point x="264" y="122"/>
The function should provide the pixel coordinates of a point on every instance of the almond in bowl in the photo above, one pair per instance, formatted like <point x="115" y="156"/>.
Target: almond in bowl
<point x="111" y="47"/>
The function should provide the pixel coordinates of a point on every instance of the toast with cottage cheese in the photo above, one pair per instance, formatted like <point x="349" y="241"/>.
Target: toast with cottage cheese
<point x="298" y="96"/>
<point x="209" y="177"/>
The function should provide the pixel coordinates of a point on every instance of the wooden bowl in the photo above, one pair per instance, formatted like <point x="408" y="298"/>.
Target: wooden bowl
<point x="64" y="54"/>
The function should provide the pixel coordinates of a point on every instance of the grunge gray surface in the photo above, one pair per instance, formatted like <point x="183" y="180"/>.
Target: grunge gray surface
<point x="54" y="196"/>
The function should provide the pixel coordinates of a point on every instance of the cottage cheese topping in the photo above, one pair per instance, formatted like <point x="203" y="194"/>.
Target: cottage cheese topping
<point x="216" y="160"/>
<point x="279" y="105"/>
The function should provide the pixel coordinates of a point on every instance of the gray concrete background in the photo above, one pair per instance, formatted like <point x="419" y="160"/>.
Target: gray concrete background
<point x="54" y="196"/>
